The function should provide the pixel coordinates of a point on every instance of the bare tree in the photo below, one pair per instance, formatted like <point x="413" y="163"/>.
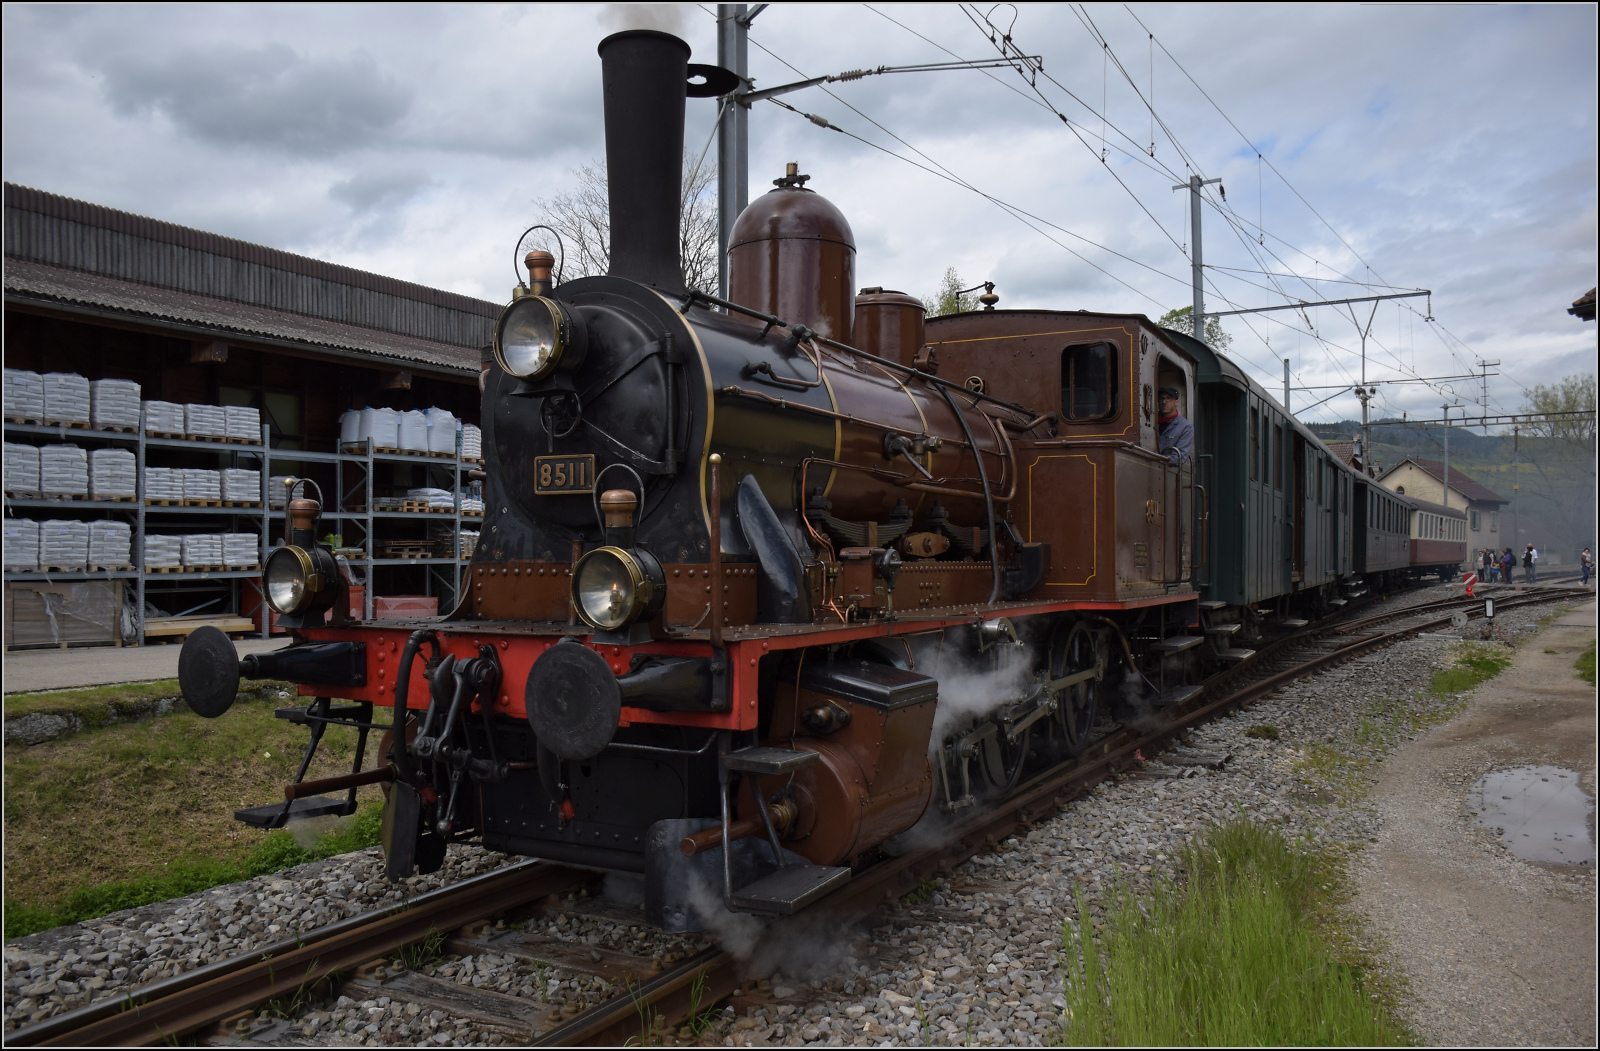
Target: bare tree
<point x="583" y="218"/>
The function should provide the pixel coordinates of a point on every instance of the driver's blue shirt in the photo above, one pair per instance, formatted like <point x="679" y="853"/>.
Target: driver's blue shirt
<point x="1177" y="440"/>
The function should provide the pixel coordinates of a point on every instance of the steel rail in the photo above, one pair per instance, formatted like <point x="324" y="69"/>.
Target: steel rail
<point x="178" y="1006"/>
<point x="713" y="974"/>
<point x="175" y="1007"/>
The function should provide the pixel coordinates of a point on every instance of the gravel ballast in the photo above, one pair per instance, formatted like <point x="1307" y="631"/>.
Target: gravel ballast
<point x="972" y="958"/>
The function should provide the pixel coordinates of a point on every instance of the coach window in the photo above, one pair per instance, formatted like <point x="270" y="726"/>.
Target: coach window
<point x="1277" y="453"/>
<point x="1255" y="443"/>
<point x="1494" y="521"/>
<point x="1088" y="381"/>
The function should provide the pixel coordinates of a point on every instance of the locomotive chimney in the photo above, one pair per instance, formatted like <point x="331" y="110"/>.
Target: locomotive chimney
<point x="645" y="79"/>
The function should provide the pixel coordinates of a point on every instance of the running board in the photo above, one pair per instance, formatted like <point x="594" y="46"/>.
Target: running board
<point x="1234" y="654"/>
<point x="790" y="889"/>
<point x="272" y="815"/>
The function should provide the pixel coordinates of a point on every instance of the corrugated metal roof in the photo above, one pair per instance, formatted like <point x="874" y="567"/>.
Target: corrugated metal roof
<point x="63" y="232"/>
<point x="59" y="286"/>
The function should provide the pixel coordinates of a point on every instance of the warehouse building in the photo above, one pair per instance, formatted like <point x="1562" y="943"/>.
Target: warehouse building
<point x="201" y="320"/>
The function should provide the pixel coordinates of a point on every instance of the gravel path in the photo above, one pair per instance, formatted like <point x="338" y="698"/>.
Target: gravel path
<point x="974" y="959"/>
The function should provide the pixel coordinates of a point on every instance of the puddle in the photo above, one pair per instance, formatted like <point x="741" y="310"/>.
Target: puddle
<point x="1540" y="812"/>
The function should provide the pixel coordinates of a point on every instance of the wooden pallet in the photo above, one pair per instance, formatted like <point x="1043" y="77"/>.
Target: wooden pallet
<point x="179" y="435"/>
<point x="393" y="550"/>
<point x="218" y="439"/>
<point x="63" y="498"/>
<point x="472" y="514"/>
<point x="120" y="567"/>
<point x="185" y="569"/>
<point x="117" y="499"/>
<point x="202" y="503"/>
<point x="168" y="626"/>
<point x="24" y="494"/>
<point x="241" y="503"/>
<point x="422" y="507"/>
<point x="156" y="501"/>
<point x="69" y="568"/>
<point x="71" y="425"/>
<point x="33" y="421"/>
<point x="128" y="429"/>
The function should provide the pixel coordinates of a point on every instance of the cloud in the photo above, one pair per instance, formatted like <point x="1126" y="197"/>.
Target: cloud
<point x="369" y="190"/>
<point x="268" y="99"/>
<point x="1449" y="148"/>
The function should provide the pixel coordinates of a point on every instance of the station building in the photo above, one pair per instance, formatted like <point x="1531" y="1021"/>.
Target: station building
<point x="196" y="317"/>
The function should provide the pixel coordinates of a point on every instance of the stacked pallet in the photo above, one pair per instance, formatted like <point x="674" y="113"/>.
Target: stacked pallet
<point x="66" y="399"/>
<point x="163" y="485"/>
<point x="202" y="487"/>
<point x="243" y="424"/>
<point x="162" y="552"/>
<point x="22" y="471"/>
<point x="113" y="474"/>
<point x="64" y="471"/>
<point x="163" y="418"/>
<point x="241" y="485"/>
<point x="201" y="550"/>
<point x="21" y="545"/>
<point x="114" y="405"/>
<point x="63" y="545"/>
<point x="241" y="550"/>
<point x="24" y="396"/>
<point x="110" y="545"/>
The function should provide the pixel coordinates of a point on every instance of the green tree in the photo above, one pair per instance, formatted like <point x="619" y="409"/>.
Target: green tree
<point x="1181" y="320"/>
<point x="948" y="299"/>
<point x="1575" y="393"/>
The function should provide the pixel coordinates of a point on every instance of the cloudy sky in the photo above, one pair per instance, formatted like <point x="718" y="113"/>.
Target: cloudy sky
<point x="1450" y="148"/>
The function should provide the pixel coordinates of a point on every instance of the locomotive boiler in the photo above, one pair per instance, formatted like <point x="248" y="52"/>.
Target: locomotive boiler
<point x="762" y="582"/>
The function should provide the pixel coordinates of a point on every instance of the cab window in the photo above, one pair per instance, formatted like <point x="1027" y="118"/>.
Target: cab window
<point x="1088" y="381"/>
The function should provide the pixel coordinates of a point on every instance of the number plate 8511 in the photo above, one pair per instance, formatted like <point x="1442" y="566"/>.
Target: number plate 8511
<point x="563" y="474"/>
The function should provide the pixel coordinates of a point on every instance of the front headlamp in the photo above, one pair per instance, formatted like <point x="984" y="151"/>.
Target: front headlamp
<point x="613" y="587"/>
<point x="535" y="335"/>
<point x="292" y="581"/>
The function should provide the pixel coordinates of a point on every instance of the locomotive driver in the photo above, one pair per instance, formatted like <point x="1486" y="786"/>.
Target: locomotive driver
<point x="1176" y="439"/>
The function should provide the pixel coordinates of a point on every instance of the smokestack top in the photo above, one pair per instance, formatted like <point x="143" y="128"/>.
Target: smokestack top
<point x="656" y="33"/>
<point x="644" y="77"/>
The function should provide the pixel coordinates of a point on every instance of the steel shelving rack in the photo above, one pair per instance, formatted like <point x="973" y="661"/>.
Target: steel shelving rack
<point x="446" y="571"/>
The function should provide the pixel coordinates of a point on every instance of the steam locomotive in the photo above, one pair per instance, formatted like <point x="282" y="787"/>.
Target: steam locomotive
<point x="763" y="582"/>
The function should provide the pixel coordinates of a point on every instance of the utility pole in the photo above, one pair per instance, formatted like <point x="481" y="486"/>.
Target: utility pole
<point x="1198" y="314"/>
<point x="1286" y="387"/>
<point x="1516" y="534"/>
<point x="1446" y="500"/>
<point x="733" y="130"/>
<point x="1362" y="392"/>
<point x="1483" y="400"/>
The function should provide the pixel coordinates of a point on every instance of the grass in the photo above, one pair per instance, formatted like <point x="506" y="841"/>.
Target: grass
<point x="277" y="850"/>
<point x="140" y="812"/>
<point x="95" y="704"/>
<point x="1263" y="732"/>
<point x="1243" y="952"/>
<point x="1474" y="664"/>
<point x="1584" y="665"/>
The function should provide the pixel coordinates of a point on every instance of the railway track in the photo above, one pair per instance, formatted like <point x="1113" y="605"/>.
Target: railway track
<point x="656" y="998"/>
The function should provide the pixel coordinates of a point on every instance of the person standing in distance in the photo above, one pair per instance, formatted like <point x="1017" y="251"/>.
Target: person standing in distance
<point x="1530" y="564"/>
<point x="1176" y="439"/>
<point x="1585" y="561"/>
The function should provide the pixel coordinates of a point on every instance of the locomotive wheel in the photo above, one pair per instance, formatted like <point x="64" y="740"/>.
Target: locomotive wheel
<point x="1075" y="649"/>
<point x="1003" y="759"/>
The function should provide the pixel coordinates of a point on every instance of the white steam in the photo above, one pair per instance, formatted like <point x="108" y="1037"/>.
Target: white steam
<point x="972" y="686"/>
<point x="666" y="18"/>
<point x="804" y="946"/>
